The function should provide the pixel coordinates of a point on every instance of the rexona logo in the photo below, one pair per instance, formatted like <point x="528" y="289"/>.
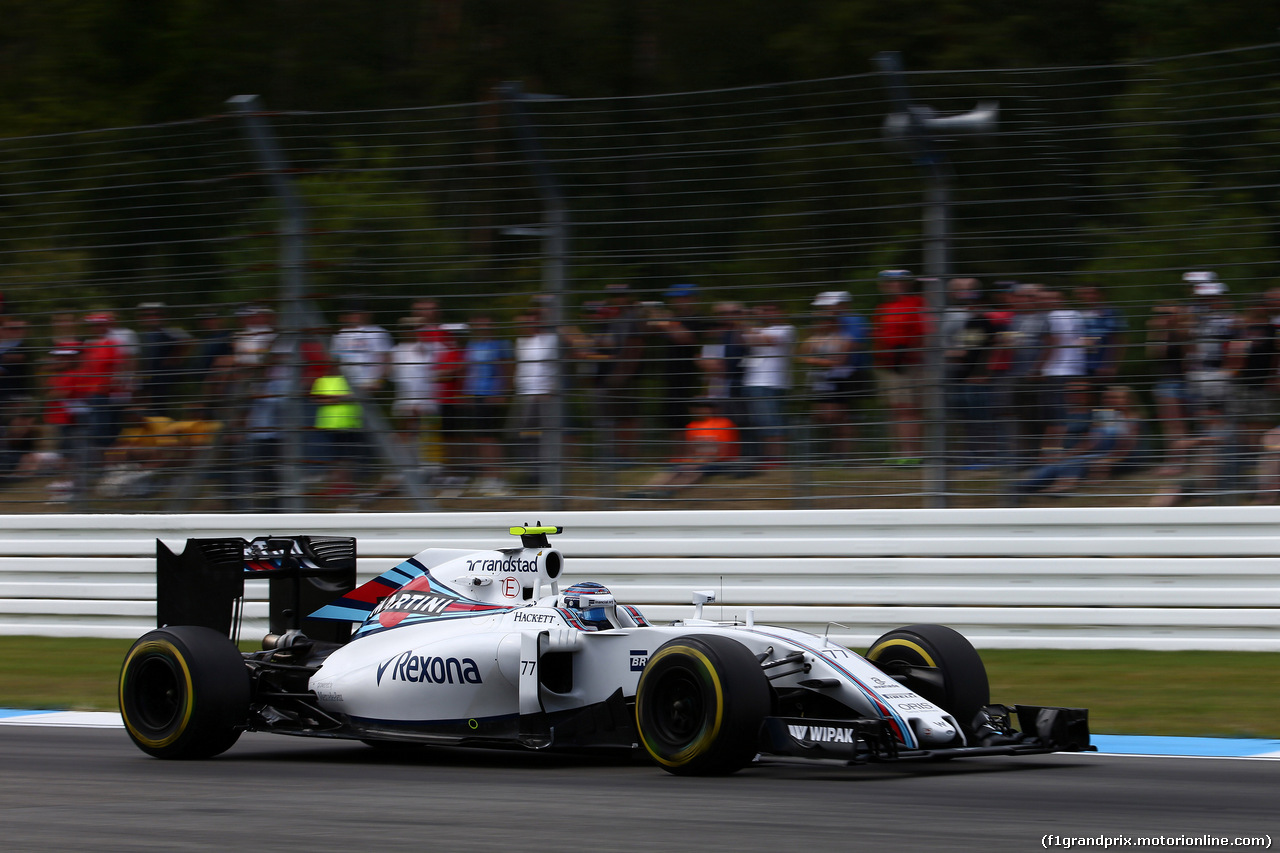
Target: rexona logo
<point x="822" y="734"/>
<point x="418" y="669"/>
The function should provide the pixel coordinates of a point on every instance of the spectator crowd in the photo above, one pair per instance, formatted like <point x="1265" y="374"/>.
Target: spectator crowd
<point x="1054" y="391"/>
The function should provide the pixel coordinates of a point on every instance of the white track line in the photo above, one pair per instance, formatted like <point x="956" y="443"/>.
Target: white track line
<point x="73" y="719"/>
<point x="111" y="720"/>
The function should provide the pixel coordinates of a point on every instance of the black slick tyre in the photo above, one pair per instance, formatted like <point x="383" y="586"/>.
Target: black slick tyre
<point x="958" y="684"/>
<point x="184" y="693"/>
<point x="700" y="705"/>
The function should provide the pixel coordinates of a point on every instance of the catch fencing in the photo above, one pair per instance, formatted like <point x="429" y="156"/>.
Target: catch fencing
<point x="1140" y="578"/>
<point x="1123" y="176"/>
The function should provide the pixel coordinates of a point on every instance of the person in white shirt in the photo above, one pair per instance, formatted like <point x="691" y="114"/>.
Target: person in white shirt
<point x="411" y="365"/>
<point x="130" y="348"/>
<point x="766" y="380"/>
<point x="1066" y="339"/>
<point x="411" y="368"/>
<point x="535" y="379"/>
<point x="535" y="369"/>
<point x="1065" y="359"/>
<point x="252" y="341"/>
<point x="363" y="350"/>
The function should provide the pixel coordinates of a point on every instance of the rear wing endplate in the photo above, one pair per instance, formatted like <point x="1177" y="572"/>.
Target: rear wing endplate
<point x="204" y="585"/>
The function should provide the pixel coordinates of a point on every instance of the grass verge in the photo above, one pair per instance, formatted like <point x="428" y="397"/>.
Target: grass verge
<point x="1221" y="694"/>
<point x="1225" y="694"/>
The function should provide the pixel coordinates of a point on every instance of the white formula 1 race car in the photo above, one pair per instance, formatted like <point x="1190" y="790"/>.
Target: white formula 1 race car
<point x="483" y="648"/>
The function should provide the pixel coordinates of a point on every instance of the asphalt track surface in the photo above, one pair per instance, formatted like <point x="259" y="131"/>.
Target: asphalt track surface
<point x="92" y="790"/>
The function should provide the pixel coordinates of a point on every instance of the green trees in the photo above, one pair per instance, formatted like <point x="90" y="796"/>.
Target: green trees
<point x="1103" y="166"/>
<point x="77" y="64"/>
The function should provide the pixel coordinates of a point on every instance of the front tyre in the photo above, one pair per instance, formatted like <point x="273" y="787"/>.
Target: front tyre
<point x="952" y="675"/>
<point x="700" y="704"/>
<point x="184" y="692"/>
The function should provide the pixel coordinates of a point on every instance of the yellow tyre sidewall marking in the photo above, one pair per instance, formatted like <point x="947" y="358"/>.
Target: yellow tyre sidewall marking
<point x="875" y="653"/>
<point x="161" y="647"/>
<point x="707" y="738"/>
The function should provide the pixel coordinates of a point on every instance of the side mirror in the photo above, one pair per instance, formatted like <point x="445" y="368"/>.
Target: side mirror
<point x="701" y="597"/>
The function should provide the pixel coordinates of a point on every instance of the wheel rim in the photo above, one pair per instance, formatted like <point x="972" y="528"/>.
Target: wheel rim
<point x="960" y="686"/>
<point x="158" y="694"/>
<point x="679" y="707"/>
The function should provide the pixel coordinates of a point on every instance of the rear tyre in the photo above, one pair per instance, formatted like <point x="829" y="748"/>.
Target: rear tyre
<point x="959" y="685"/>
<point x="184" y="693"/>
<point x="700" y="705"/>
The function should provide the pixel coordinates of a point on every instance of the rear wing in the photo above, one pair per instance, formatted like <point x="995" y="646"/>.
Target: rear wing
<point x="204" y="585"/>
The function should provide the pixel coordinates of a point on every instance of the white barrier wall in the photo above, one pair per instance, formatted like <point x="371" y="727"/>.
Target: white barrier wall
<point x="1184" y="578"/>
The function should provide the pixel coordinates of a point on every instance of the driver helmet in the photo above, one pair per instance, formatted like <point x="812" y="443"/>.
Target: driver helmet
<point x="591" y="602"/>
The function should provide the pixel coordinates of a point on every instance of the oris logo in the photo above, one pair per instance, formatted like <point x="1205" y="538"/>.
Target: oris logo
<point x="418" y="669"/>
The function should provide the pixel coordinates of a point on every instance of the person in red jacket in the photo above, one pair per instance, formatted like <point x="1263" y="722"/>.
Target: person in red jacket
<point x="92" y="390"/>
<point x="65" y="393"/>
<point x="448" y="368"/>
<point x="102" y="369"/>
<point x="898" y="329"/>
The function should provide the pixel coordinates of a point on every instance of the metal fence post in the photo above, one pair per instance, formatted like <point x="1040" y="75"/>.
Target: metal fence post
<point x="555" y="242"/>
<point x="918" y="127"/>
<point x="298" y="315"/>
<point x="292" y="258"/>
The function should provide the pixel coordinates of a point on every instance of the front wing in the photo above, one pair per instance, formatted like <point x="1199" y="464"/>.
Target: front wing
<point x="1044" y="729"/>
